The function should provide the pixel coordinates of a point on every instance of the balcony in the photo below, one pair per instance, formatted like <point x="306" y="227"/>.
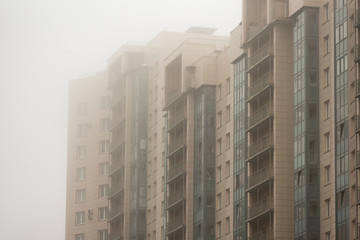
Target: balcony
<point x="116" y="120"/>
<point x="118" y="100"/>
<point x="115" y="145"/>
<point x="115" y="236"/>
<point x="357" y="18"/>
<point x="357" y="159"/>
<point x="259" y="146"/>
<point x="260" y="115"/>
<point x="259" y="208"/>
<point x="115" y="212"/>
<point x="114" y="190"/>
<point x="175" y="197"/>
<point x="260" y="55"/>
<point x="357" y="88"/>
<point x="177" y="118"/>
<point x="172" y="95"/>
<point x="175" y="171"/>
<point x="259" y="85"/>
<point x="175" y="224"/>
<point x="265" y="234"/>
<point x="115" y="166"/>
<point x="260" y="177"/>
<point x="255" y="27"/>
<point x="176" y="144"/>
<point x="357" y="195"/>
<point x="357" y="53"/>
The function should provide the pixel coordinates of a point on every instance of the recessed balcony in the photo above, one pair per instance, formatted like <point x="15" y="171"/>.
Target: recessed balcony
<point x="175" y="224"/>
<point x="116" y="212"/>
<point x="357" y="18"/>
<point x="115" y="190"/>
<point x="259" y="86"/>
<point x="259" y="146"/>
<point x="175" y="119"/>
<point x="260" y="177"/>
<point x="260" y="115"/>
<point x="175" y="197"/>
<point x="172" y="95"/>
<point x="175" y="144"/>
<point x="255" y="27"/>
<point x="260" y="55"/>
<point x="258" y="209"/>
<point x="175" y="171"/>
<point x="265" y="234"/>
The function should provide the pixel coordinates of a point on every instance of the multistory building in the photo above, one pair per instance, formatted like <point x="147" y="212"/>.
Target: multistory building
<point x="88" y="158"/>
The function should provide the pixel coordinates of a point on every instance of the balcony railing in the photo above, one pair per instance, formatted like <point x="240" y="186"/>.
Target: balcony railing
<point x="255" y="27"/>
<point x="116" y="211"/>
<point x="265" y="234"/>
<point x="357" y="18"/>
<point x="175" y="223"/>
<point x="176" y="118"/>
<point x="172" y="95"/>
<point x="115" y="145"/>
<point x="116" y="120"/>
<point x="260" y="176"/>
<point x="260" y="114"/>
<point x="260" y="54"/>
<point x="115" y="166"/>
<point x="175" y="196"/>
<point x="119" y="99"/>
<point x="260" y="145"/>
<point x="175" y="144"/>
<point x="115" y="236"/>
<point x="260" y="208"/>
<point x="116" y="189"/>
<point x="175" y="170"/>
<point x="259" y="85"/>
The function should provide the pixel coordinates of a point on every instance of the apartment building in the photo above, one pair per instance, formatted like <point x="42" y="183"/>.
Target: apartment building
<point x="88" y="158"/>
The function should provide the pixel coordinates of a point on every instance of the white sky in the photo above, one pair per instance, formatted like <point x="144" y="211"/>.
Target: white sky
<point x="43" y="45"/>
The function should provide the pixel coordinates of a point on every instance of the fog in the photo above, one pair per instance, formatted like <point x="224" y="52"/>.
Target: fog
<point x="43" y="45"/>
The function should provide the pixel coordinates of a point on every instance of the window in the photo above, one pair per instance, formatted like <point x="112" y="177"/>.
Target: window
<point x="103" y="191"/>
<point x="81" y="152"/>
<point x="327" y="109"/>
<point x="218" y="229"/>
<point x="80" y="236"/>
<point x="82" y="130"/>
<point x="227" y="225"/>
<point x="326" y="77"/>
<point x="328" y="208"/>
<point x="326" y="12"/>
<point x="80" y="196"/>
<point x="227" y="169"/>
<point x="104" y="124"/>
<point x="327" y="174"/>
<point x="154" y="213"/>
<point x="154" y="189"/>
<point x="227" y="197"/>
<point x="80" y="174"/>
<point x="327" y="235"/>
<point x="327" y="141"/>
<point x="218" y="146"/>
<point x="104" y="169"/>
<point x="326" y="44"/>
<point x="103" y="213"/>
<point x="82" y="109"/>
<point x="103" y="235"/>
<point x="219" y="119"/>
<point x="227" y="142"/>
<point x="218" y="201"/>
<point x="104" y="102"/>
<point x="218" y="174"/>
<point x="80" y="218"/>
<point x="228" y="87"/>
<point x="228" y="117"/>
<point x="219" y="88"/>
<point x="104" y="146"/>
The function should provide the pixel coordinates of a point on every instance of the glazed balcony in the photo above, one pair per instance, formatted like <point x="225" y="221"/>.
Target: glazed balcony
<point x="119" y="99"/>
<point x="259" y="85"/>
<point x="260" y="177"/>
<point x="116" y="211"/>
<point x="175" y="224"/>
<point x="259" y="146"/>
<point x="255" y="27"/>
<point x="259" y="208"/>
<point x="175" y="119"/>
<point x="258" y="56"/>
<point x="176" y="144"/>
<point x="115" y="236"/>
<point x="114" y="190"/>
<point x="116" y="144"/>
<point x="260" y="115"/>
<point x="175" y="197"/>
<point x="116" y="120"/>
<point x="116" y="166"/>
<point x="265" y="234"/>
<point x="357" y="18"/>
<point x="172" y="95"/>
<point x="175" y="171"/>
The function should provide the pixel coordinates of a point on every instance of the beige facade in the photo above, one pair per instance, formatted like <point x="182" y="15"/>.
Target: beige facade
<point x="88" y="158"/>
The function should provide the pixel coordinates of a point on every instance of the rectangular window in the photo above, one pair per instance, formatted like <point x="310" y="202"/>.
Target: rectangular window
<point x="227" y="141"/>
<point x="218" y="146"/>
<point x="80" y="174"/>
<point x="328" y="208"/>
<point x="218" y="229"/>
<point x="81" y="152"/>
<point x="327" y="109"/>
<point x="327" y="174"/>
<point x="104" y="146"/>
<point x="327" y="141"/>
<point x="228" y="86"/>
<point x="228" y="116"/>
<point x="104" y="102"/>
<point x="82" y="130"/>
<point x="80" y="236"/>
<point x="326" y="44"/>
<point x="326" y="12"/>
<point x="227" y="225"/>
<point x="103" y="235"/>
<point x="82" y="109"/>
<point x="103" y="213"/>
<point x="218" y="201"/>
<point x="218" y="174"/>
<point x="104" y="124"/>
<point x="103" y="191"/>
<point x="219" y="119"/>
<point x="219" y="90"/>
<point x="326" y="77"/>
<point x="227" y="197"/>
<point x="104" y="169"/>
<point x="80" y="218"/>
<point x="227" y="170"/>
<point x="80" y="196"/>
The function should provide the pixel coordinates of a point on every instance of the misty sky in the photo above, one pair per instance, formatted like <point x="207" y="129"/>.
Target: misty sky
<point x="43" y="45"/>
